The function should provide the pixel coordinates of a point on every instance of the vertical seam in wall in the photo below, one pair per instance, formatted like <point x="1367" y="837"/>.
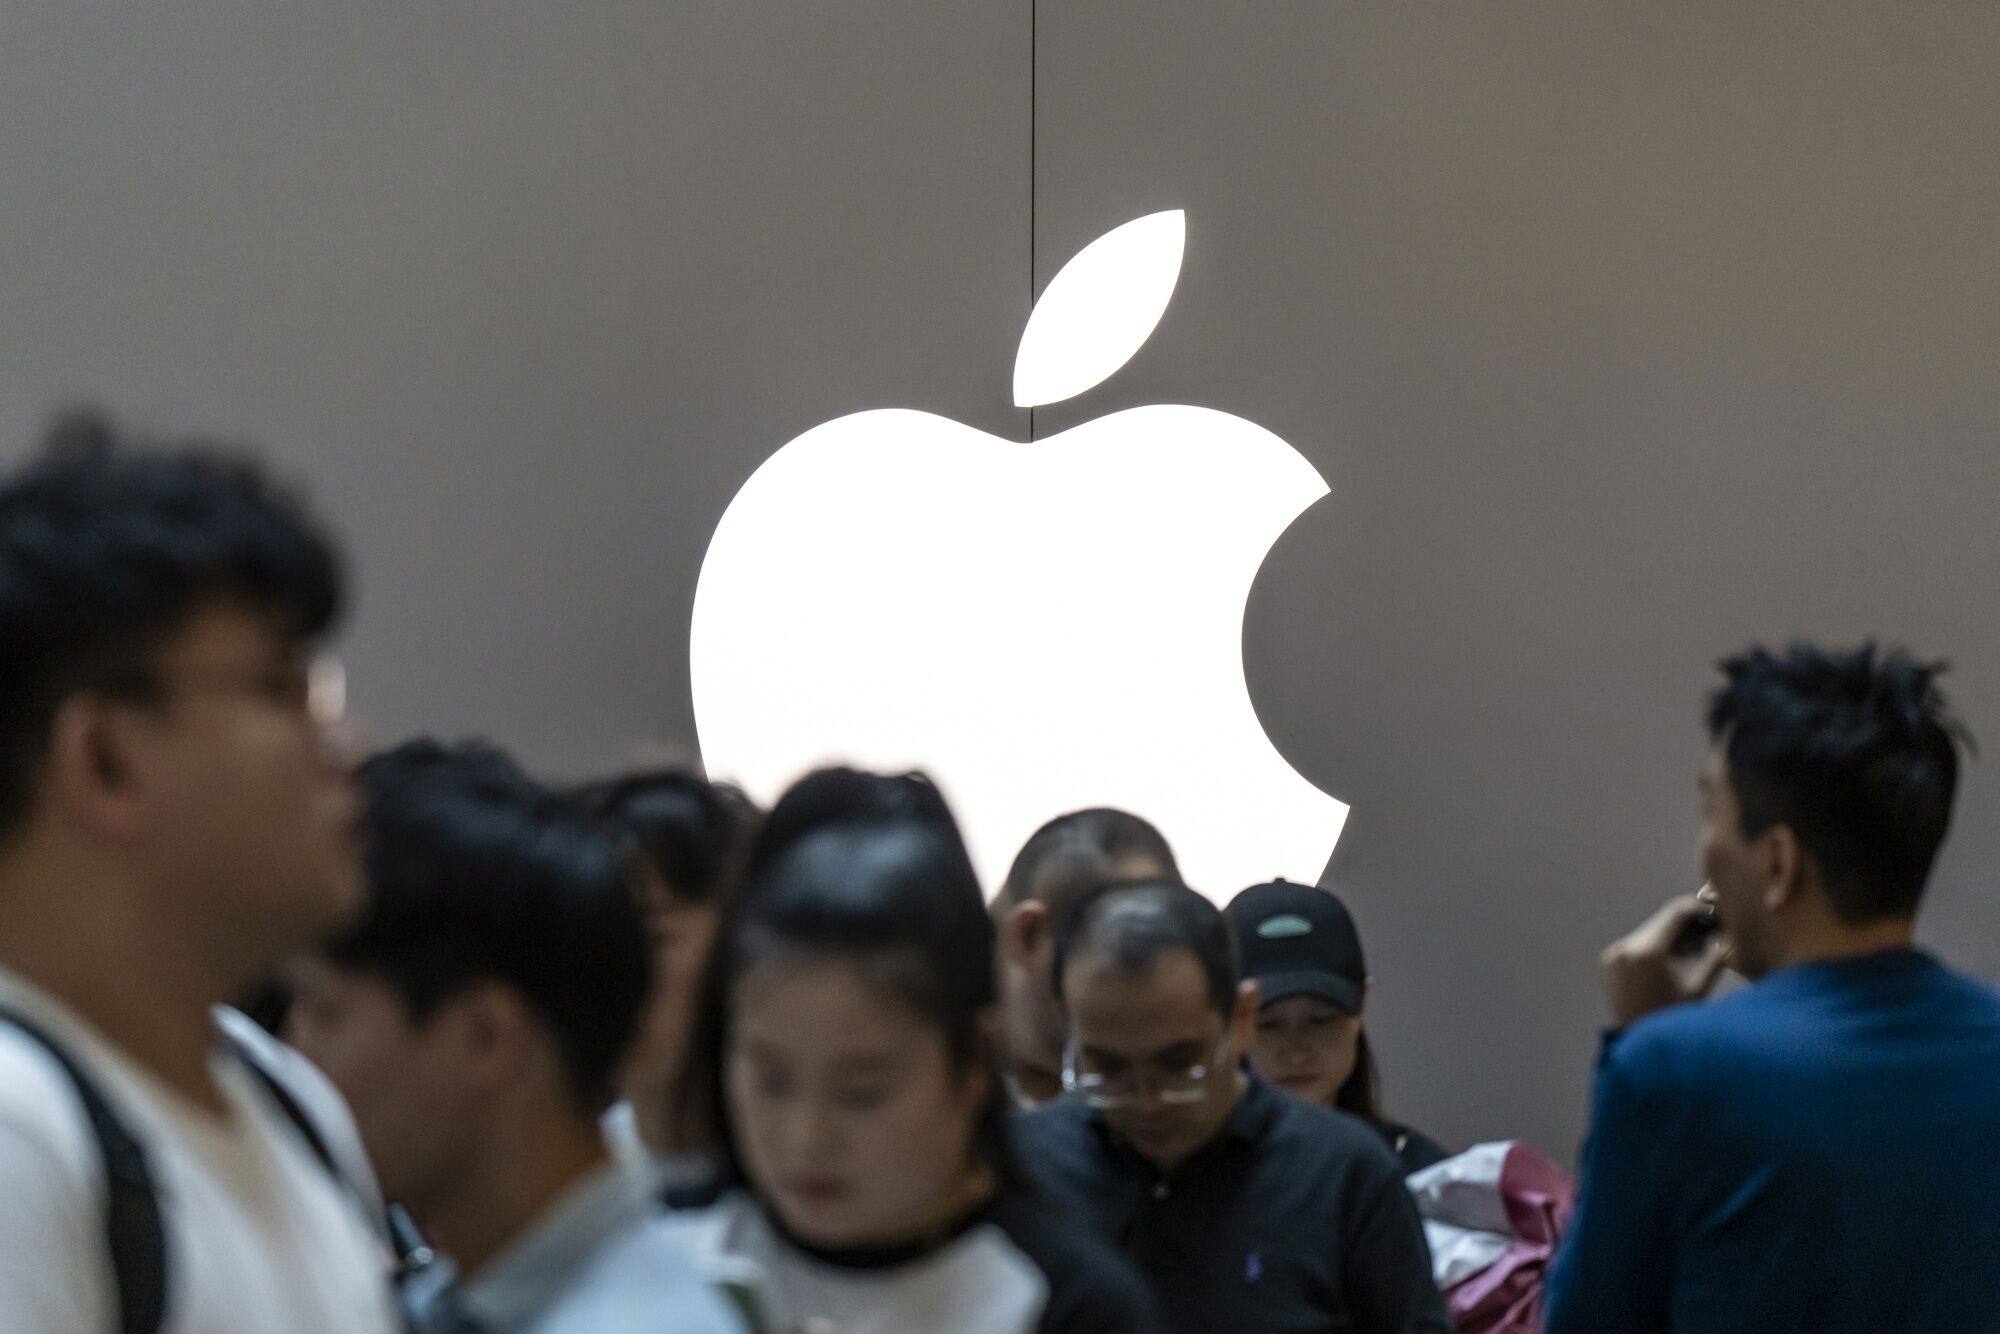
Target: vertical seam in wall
<point x="1034" y="14"/>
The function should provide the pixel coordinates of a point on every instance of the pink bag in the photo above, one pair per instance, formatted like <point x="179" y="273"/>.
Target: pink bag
<point x="1493" y="1216"/>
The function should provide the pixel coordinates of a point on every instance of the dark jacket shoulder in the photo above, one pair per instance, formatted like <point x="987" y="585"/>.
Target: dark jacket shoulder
<point x="1324" y="1138"/>
<point x="1059" y="1145"/>
<point x="1092" y="1288"/>
<point x="1413" y="1148"/>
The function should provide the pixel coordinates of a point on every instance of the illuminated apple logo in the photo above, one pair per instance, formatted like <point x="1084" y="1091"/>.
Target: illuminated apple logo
<point x="1040" y="626"/>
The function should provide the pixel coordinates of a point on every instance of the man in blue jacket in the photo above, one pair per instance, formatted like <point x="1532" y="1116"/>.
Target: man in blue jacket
<point x="1819" y="1151"/>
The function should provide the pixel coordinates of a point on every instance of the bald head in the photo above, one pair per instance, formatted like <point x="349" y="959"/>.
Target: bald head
<point x="1074" y="853"/>
<point x="1131" y="928"/>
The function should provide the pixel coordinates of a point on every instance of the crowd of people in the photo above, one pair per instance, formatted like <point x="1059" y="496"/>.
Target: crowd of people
<point x="299" y="1038"/>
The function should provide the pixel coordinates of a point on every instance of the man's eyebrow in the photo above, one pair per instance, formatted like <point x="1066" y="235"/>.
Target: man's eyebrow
<point x="1191" y="1048"/>
<point x="1174" y="1053"/>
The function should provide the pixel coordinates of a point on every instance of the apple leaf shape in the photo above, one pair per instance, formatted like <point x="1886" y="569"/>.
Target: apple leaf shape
<point x="1099" y="309"/>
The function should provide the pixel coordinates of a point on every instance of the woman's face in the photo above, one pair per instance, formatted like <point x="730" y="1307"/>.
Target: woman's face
<point x="1306" y="1045"/>
<point x="849" y="1117"/>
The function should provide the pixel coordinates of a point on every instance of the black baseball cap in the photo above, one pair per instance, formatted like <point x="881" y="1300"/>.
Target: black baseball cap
<point x="1298" y="940"/>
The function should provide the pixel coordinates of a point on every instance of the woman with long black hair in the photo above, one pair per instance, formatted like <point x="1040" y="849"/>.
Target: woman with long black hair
<point x="844" y="1057"/>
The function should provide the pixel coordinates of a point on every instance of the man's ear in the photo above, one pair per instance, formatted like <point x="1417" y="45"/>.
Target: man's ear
<point x="1781" y="867"/>
<point x="1024" y="934"/>
<point x="88" y="770"/>
<point x="1243" y="1015"/>
<point x="489" y="1031"/>
<point x="992" y="1031"/>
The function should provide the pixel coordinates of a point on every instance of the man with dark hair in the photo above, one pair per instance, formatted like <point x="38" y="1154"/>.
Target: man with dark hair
<point x="1064" y="859"/>
<point x="1247" y="1209"/>
<point x="1814" y="1152"/>
<point x="175" y="817"/>
<point x="691" y="836"/>
<point x="476" y="1015"/>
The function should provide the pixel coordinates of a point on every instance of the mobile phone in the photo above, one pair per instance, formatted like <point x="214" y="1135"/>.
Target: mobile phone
<point x="1698" y="931"/>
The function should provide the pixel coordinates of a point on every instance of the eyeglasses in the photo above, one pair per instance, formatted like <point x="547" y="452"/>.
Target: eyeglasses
<point x="316" y="690"/>
<point x="1175" y="1086"/>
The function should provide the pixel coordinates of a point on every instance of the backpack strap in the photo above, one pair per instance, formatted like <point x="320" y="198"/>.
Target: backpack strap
<point x="398" y="1232"/>
<point x="132" y="1224"/>
<point x="281" y="1096"/>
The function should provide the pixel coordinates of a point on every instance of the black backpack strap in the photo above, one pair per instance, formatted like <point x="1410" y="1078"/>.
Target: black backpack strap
<point x="286" y="1103"/>
<point x="405" y="1241"/>
<point x="132" y="1223"/>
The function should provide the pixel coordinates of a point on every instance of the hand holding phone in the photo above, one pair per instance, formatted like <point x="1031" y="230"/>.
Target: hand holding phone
<point x="1698" y="930"/>
<point x="1674" y="957"/>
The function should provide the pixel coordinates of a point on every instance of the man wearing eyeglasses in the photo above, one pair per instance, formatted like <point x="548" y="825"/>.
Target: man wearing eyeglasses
<point x="1248" y="1210"/>
<point x="175" y="817"/>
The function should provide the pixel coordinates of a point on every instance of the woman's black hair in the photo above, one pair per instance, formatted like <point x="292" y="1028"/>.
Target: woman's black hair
<point x="1361" y="1095"/>
<point x="692" y="831"/>
<point x="869" y="868"/>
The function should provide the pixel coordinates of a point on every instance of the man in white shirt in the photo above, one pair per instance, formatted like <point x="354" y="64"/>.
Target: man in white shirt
<point x="476" y="1015"/>
<point x="175" y="817"/>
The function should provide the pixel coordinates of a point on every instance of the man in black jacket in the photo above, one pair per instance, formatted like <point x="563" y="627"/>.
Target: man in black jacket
<point x="1249" y="1211"/>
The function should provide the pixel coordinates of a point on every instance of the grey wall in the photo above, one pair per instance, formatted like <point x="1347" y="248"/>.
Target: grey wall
<point x="1624" y="334"/>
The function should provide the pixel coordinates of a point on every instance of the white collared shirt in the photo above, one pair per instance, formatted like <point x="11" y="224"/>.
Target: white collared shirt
<point x="665" y="1170"/>
<point x="603" y="1259"/>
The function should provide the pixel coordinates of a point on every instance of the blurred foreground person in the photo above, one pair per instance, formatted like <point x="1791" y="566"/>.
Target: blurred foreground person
<point x="691" y="836"/>
<point x="846" y="1053"/>
<point x="1815" y="1152"/>
<point x="1298" y="943"/>
<point x="175" y="818"/>
<point x="1249" y="1210"/>
<point x="475" y="1015"/>
<point x="1064" y="859"/>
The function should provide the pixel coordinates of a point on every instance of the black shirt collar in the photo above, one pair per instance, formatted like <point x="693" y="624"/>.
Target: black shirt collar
<point x="883" y="1256"/>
